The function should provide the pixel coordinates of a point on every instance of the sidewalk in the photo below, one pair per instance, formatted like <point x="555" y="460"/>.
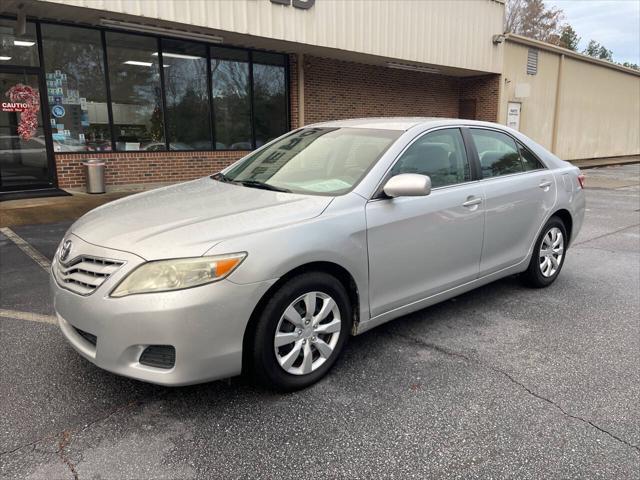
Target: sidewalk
<point x="605" y="162"/>
<point x="57" y="209"/>
<point x="52" y="209"/>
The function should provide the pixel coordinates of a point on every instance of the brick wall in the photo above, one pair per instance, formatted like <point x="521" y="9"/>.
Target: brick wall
<point x="144" y="167"/>
<point x="293" y="91"/>
<point x="337" y="89"/>
<point x="485" y="90"/>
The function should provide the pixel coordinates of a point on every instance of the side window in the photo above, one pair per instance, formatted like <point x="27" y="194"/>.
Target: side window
<point x="498" y="153"/>
<point x="439" y="154"/>
<point x="529" y="160"/>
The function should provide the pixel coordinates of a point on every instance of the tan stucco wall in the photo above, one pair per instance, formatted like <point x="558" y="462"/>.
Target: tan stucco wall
<point x="456" y="34"/>
<point x="598" y="107"/>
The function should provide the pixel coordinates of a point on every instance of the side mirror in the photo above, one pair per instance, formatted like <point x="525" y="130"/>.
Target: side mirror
<point x="408" y="185"/>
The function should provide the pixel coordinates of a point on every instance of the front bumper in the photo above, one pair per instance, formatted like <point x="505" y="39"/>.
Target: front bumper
<point x="205" y="324"/>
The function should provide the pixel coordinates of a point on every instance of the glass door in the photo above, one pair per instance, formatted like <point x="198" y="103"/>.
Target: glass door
<point x="25" y="156"/>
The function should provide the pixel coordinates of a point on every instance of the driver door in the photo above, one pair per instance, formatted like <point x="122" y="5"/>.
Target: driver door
<point x="421" y="246"/>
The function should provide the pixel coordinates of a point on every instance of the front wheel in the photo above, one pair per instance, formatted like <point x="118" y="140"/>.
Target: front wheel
<point x="301" y="331"/>
<point x="548" y="255"/>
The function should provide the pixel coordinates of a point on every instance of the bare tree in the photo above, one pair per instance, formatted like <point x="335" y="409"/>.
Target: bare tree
<point x="531" y="18"/>
<point x="513" y="15"/>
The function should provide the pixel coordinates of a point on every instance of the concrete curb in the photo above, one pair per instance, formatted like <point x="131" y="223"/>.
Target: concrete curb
<point x="605" y="162"/>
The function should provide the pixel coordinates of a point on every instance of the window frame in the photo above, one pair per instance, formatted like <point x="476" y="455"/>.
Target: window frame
<point x="287" y="82"/>
<point x="471" y="159"/>
<point x="472" y="145"/>
<point x="297" y="130"/>
<point x="472" y="156"/>
<point x="420" y="138"/>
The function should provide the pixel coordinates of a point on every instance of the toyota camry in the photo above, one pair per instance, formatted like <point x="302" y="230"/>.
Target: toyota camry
<point x="269" y="266"/>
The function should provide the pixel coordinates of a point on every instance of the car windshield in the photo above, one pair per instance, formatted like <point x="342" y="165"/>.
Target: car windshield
<point x="324" y="161"/>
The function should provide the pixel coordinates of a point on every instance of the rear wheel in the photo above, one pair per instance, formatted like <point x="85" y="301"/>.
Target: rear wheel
<point x="301" y="331"/>
<point x="548" y="255"/>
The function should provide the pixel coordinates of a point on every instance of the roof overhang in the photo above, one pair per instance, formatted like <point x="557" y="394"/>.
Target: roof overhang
<point x="461" y="60"/>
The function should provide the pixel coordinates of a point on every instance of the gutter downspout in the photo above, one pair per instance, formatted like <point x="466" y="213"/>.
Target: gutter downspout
<point x="556" y="111"/>
<point x="301" y="90"/>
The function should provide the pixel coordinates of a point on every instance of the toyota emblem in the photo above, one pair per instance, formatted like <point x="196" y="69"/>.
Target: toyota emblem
<point x="66" y="249"/>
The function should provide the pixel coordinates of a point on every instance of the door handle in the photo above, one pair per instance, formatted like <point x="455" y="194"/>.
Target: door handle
<point x="473" y="201"/>
<point x="545" y="184"/>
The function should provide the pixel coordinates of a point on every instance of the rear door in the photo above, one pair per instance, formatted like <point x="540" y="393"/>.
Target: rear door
<point x="519" y="192"/>
<point x="420" y="246"/>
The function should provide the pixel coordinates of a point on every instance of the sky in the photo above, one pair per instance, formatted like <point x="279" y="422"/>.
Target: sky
<point x="613" y="23"/>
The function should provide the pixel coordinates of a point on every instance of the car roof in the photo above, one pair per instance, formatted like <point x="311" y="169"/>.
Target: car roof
<point x="400" y="123"/>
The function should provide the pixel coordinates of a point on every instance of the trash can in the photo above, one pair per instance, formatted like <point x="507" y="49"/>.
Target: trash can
<point x="95" y="175"/>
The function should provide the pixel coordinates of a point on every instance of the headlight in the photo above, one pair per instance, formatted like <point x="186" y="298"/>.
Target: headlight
<point x="166" y="275"/>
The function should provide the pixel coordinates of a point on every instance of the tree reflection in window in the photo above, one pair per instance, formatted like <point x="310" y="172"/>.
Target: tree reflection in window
<point x="269" y="96"/>
<point x="187" y="96"/>
<point x="75" y="77"/>
<point x="136" y="98"/>
<point x="231" y="99"/>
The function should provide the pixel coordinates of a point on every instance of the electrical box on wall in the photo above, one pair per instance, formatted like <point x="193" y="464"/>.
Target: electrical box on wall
<point x="523" y="90"/>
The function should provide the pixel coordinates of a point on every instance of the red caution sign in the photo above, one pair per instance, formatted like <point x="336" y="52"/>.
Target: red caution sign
<point x="14" y="107"/>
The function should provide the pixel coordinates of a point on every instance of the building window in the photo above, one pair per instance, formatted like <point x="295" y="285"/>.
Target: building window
<point x="76" y="89"/>
<point x="186" y="93"/>
<point x="120" y="98"/>
<point x="136" y="99"/>
<point x="231" y="99"/>
<point x="18" y="49"/>
<point x="269" y="96"/>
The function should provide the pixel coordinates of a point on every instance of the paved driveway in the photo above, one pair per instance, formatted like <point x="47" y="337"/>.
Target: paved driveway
<point x="500" y="382"/>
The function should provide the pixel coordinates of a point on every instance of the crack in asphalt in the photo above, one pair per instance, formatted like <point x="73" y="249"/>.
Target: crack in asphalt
<point x="605" y="235"/>
<point x="66" y="435"/>
<point x="446" y="351"/>
<point x="65" y="440"/>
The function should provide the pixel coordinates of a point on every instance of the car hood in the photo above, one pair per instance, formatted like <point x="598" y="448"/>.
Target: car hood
<point x="188" y="219"/>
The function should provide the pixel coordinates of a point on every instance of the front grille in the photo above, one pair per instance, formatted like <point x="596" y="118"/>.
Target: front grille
<point x="84" y="274"/>
<point x="159" y="356"/>
<point x="89" y="337"/>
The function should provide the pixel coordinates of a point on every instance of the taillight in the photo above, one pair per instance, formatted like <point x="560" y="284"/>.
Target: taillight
<point x="581" y="179"/>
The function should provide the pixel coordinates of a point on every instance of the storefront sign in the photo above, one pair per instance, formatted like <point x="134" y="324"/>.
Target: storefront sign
<point x="513" y="115"/>
<point x="14" y="107"/>
<point x="301" y="4"/>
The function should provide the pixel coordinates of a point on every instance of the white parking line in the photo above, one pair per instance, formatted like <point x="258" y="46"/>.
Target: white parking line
<point x="32" y="317"/>
<point x="23" y="245"/>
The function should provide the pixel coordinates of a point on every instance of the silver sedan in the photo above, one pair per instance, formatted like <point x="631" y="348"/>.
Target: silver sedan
<point x="269" y="266"/>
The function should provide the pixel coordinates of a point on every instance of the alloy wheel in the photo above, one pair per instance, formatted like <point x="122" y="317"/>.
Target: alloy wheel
<point x="551" y="252"/>
<point x="307" y="333"/>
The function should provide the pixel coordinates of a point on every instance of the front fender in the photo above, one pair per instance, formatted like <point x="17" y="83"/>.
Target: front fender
<point x="337" y="236"/>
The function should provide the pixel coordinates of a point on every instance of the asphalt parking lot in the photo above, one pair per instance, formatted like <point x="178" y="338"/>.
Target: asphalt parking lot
<point x="503" y="382"/>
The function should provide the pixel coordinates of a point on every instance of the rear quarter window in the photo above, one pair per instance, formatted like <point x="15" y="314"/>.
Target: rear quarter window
<point x="498" y="153"/>
<point x="529" y="160"/>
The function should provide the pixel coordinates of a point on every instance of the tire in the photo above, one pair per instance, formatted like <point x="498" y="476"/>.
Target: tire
<point x="285" y="314"/>
<point x="542" y="273"/>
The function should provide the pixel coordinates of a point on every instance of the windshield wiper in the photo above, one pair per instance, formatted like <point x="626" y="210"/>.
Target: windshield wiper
<point x="264" y="186"/>
<point x="221" y="177"/>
